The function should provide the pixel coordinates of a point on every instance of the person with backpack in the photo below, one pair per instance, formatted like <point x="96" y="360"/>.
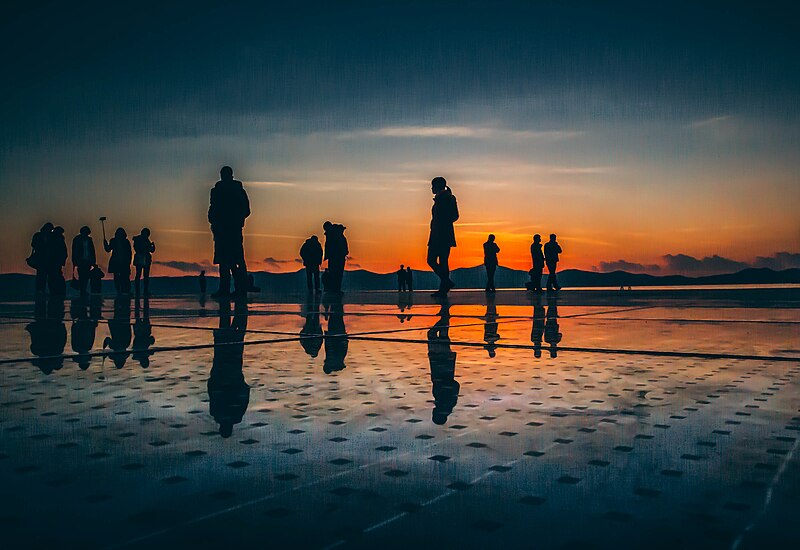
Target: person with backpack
<point x="336" y="251"/>
<point x="311" y="254"/>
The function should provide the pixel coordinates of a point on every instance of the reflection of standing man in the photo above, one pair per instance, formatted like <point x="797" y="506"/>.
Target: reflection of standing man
<point x="83" y="332"/>
<point x="311" y="333"/>
<point x="537" y="329"/>
<point x="444" y="214"/>
<point x="48" y="334"/>
<point x="142" y="334"/>
<point x="551" y="334"/>
<point x="228" y="393"/>
<point x="228" y="209"/>
<point x="443" y="367"/>
<point x="336" y="341"/>
<point x="551" y="251"/>
<point x="119" y="328"/>
<point x="490" y="334"/>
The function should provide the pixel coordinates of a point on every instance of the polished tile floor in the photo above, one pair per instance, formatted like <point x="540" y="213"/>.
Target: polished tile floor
<point x="321" y="424"/>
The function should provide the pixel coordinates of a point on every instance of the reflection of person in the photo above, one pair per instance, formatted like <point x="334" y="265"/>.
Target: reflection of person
<point x="311" y="254"/>
<point x="490" y="335"/>
<point x="537" y="258"/>
<point x="119" y="328"/>
<point x="537" y="329"/>
<point x="551" y="334"/>
<point x="443" y="367"/>
<point x="142" y="334"/>
<point x="336" y="341"/>
<point x="404" y="302"/>
<point x="490" y="251"/>
<point x="83" y="257"/>
<point x="551" y="251"/>
<point x="228" y="393"/>
<point x="443" y="236"/>
<point x="311" y="333"/>
<point x="83" y="332"/>
<point x="48" y="334"/>
<point x="228" y="208"/>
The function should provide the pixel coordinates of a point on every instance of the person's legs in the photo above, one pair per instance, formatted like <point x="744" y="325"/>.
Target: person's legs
<point x="552" y="281"/>
<point x="83" y="278"/>
<point x="56" y="282"/>
<point x="536" y="279"/>
<point x="444" y="269"/>
<point x="433" y="261"/>
<point x="240" y="280"/>
<point x="138" y="277"/>
<point x="490" y="270"/>
<point x="146" y="273"/>
<point x="41" y="280"/>
<point x="224" y="279"/>
<point x="316" y="278"/>
<point x="309" y="276"/>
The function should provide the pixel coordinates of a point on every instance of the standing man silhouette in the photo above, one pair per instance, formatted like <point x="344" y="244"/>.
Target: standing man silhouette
<point x="336" y="251"/>
<point x="311" y="254"/>
<point x="83" y="257"/>
<point x="228" y="209"/>
<point x="443" y="236"/>
<point x="537" y="257"/>
<point x="409" y="279"/>
<point x="490" y="251"/>
<point x="40" y="258"/>
<point x="551" y="251"/>
<point x="401" y="278"/>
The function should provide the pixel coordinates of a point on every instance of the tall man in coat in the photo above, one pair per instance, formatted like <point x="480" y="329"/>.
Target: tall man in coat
<point x="229" y="208"/>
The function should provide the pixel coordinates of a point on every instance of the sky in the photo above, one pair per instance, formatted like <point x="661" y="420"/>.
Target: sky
<point x="659" y="139"/>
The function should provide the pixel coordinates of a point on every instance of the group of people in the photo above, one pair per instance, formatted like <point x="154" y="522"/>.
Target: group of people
<point x="335" y="252"/>
<point x="405" y="279"/>
<point x="49" y="256"/>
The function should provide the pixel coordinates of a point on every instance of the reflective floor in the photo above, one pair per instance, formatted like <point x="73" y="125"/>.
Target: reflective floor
<point x="321" y="424"/>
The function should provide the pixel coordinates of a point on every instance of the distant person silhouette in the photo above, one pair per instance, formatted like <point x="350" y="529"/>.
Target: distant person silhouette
<point x="201" y="280"/>
<point x="119" y="329"/>
<point x="537" y="257"/>
<point x="409" y="279"/>
<point x="57" y="259"/>
<point x="120" y="262"/>
<point x="83" y="332"/>
<point x="490" y="334"/>
<point x="311" y="333"/>
<point x="228" y="392"/>
<point x="336" y="251"/>
<point x="143" y="249"/>
<point x="48" y="334"/>
<point x="551" y="330"/>
<point x="96" y="279"/>
<point x="83" y="257"/>
<point x="402" y="284"/>
<point x="490" y="251"/>
<point x="551" y="251"/>
<point x="40" y="258"/>
<point x="444" y="214"/>
<point x="442" y="361"/>
<point x="537" y="329"/>
<point x="251" y="283"/>
<point x="311" y="254"/>
<point x="228" y="209"/>
<point x="336" y="341"/>
<point x="142" y="334"/>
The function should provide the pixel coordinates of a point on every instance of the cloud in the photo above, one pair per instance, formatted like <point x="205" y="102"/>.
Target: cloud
<point x="706" y="122"/>
<point x="469" y="132"/>
<point x="688" y="265"/>
<point x="275" y="262"/>
<point x="270" y="184"/>
<point x="623" y="265"/>
<point x="778" y="261"/>
<point x="186" y="267"/>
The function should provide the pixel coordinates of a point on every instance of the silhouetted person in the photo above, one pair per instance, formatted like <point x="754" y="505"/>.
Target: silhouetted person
<point x="402" y="283"/>
<point x="409" y="279"/>
<point x="537" y="329"/>
<point x="228" y="393"/>
<point x="490" y="334"/>
<point x="228" y="209"/>
<point x="551" y="334"/>
<point x="40" y="258"/>
<point x="143" y="249"/>
<point x="96" y="279"/>
<point x="537" y="258"/>
<point x="120" y="262"/>
<point x="551" y="251"/>
<point x="142" y="334"/>
<point x="311" y="333"/>
<point x="57" y="259"/>
<point x="311" y="254"/>
<point x="336" y="251"/>
<point x="83" y="257"/>
<point x="119" y="329"/>
<point x="444" y="214"/>
<point x="201" y="280"/>
<point x="490" y="251"/>
<point x="83" y="331"/>
<point x="48" y="334"/>
<point x="443" y="367"/>
<point x="336" y="341"/>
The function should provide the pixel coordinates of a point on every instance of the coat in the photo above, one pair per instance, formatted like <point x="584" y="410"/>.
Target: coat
<point x="83" y="253"/>
<point x="444" y="214"/>
<point x="311" y="253"/>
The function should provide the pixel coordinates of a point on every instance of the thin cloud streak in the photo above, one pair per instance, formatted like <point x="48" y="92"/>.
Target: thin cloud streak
<point x="460" y="132"/>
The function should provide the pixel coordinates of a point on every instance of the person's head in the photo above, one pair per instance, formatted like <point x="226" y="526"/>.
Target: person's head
<point x="438" y="184"/>
<point x="537" y="238"/>
<point x="58" y="230"/>
<point x="491" y="237"/>
<point x="202" y="272"/>
<point x="327" y="225"/>
<point x="439" y="417"/>
<point x="402" y="266"/>
<point x="120" y="233"/>
<point x="408" y="268"/>
<point x="226" y="173"/>
<point x="145" y="233"/>
<point x="85" y="231"/>
<point x="47" y="228"/>
<point x="314" y="238"/>
<point x="226" y="429"/>
<point x="552" y="237"/>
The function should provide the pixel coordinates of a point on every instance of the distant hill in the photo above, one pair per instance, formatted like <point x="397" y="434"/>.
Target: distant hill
<point x="17" y="285"/>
